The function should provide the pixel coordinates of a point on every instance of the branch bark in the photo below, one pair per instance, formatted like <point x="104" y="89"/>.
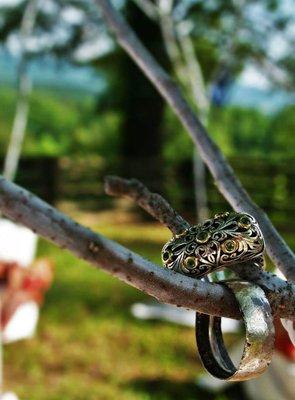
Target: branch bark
<point x="225" y="179"/>
<point x="153" y="203"/>
<point x="23" y="207"/>
<point x="116" y="186"/>
<point x="167" y="286"/>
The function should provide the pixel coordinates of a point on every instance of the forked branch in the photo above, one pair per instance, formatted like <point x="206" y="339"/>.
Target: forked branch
<point x="227" y="182"/>
<point x="167" y="286"/>
<point x="135" y="190"/>
<point x="153" y="203"/>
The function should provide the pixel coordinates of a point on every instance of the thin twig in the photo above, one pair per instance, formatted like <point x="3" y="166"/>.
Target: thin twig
<point x="153" y="203"/>
<point x="167" y="286"/>
<point x="225" y="179"/>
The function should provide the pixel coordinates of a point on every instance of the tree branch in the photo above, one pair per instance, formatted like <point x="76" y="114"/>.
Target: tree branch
<point x="167" y="286"/>
<point x="227" y="182"/>
<point x="153" y="203"/>
<point x="270" y="283"/>
<point x="170" y="287"/>
<point x="135" y="190"/>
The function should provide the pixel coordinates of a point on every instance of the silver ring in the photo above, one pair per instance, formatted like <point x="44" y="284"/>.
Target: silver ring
<point x="260" y="335"/>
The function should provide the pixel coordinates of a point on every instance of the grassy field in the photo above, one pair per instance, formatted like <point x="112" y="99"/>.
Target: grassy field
<point x="88" y="346"/>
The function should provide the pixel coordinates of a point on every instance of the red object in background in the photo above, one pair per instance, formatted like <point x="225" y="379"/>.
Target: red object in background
<point x="21" y="285"/>
<point x="283" y="342"/>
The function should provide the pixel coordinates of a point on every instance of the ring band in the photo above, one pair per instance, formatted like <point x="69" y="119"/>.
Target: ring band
<point x="259" y="342"/>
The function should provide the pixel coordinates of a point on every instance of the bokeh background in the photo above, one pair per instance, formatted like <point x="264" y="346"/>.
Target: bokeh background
<point x="90" y="113"/>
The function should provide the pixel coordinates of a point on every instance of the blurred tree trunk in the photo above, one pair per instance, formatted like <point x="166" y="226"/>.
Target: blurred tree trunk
<point x="142" y="108"/>
<point x="19" y="127"/>
<point x="23" y="92"/>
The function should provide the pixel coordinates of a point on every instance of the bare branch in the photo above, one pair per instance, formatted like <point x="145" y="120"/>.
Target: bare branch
<point x="225" y="179"/>
<point x="194" y="71"/>
<point x="169" y="38"/>
<point x="159" y="208"/>
<point x="153" y="203"/>
<point x="167" y="286"/>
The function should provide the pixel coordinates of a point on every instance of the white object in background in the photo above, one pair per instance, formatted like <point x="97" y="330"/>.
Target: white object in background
<point x="22" y="324"/>
<point x="17" y="244"/>
<point x="180" y="316"/>
<point x="162" y="312"/>
<point x="290" y="328"/>
<point x="8" y="396"/>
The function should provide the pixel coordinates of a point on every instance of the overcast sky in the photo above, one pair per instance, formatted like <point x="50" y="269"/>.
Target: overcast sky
<point x="250" y="77"/>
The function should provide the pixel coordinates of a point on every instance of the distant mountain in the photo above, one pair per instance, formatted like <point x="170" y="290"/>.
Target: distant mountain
<point x="64" y="76"/>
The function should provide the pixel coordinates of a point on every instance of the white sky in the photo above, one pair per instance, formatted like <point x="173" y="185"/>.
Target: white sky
<point x="251" y="76"/>
<point x="10" y="3"/>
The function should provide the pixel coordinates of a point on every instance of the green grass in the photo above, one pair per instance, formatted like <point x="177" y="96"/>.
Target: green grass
<point x="88" y="346"/>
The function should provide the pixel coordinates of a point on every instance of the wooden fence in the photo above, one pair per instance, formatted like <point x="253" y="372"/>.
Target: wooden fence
<point x="39" y="175"/>
<point x="271" y="183"/>
<point x="80" y="180"/>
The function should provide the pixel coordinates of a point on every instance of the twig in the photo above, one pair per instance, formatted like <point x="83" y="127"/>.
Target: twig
<point x="227" y="182"/>
<point x="135" y="190"/>
<point x="23" y="207"/>
<point x="167" y="286"/>
<point x="153" y="203"/>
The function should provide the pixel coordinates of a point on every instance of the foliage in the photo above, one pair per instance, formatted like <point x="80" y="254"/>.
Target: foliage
<point x="226" y="35"/>
<point x="238" y="131"/>
<point x="64" y="125"/>
<point x="281" y="132"/>
<point x="60" y="125"/>
<point x="245" y="130"/>
<point x="52" y="22"/>
<point x="229" y="35"/>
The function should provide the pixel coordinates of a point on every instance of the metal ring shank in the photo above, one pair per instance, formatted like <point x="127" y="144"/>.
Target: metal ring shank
<point x="259" y="341"/>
